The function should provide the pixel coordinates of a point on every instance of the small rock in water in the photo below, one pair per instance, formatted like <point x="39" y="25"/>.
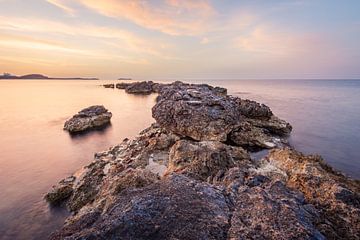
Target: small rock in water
<point x="88" y="118"/>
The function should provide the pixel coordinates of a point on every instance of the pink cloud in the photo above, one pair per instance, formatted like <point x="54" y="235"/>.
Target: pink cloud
<point x="174" y="17"/>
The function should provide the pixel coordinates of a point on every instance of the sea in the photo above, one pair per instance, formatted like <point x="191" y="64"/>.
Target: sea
<point x="36" y="152"/>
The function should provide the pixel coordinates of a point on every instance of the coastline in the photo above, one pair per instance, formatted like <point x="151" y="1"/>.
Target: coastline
<point x="191" y="158"/>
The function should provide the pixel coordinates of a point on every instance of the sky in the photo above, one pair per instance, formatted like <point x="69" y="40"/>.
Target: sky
<point x="178" y="39"/>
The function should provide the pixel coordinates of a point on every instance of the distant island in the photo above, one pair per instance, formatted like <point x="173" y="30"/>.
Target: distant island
<point x="40" y="76"/>
<point x="124" y="79"/>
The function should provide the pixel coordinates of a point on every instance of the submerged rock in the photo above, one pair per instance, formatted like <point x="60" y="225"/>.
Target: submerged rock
<point x="88" y="118"/>
<point x="190" y="176"/>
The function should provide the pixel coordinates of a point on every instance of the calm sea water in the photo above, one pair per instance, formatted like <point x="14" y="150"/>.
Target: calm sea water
<point x="36" y="153"/>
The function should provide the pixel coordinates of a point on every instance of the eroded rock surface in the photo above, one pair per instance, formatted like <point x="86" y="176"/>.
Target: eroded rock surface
<point x="175" y="208"/>
<point x="190" y="176"/>
<point x="336" y="196"/>
<point x="207" y="114"/>
<point x="88" y="118"/>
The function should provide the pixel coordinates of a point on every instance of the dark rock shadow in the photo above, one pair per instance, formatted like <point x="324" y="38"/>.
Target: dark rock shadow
<point x="98" y="131"/>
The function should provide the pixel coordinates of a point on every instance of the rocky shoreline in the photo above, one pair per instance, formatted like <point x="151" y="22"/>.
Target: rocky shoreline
<point x="190" y="175"/>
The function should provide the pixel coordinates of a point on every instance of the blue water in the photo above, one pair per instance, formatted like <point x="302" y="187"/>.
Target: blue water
<point x="36" y="152"/>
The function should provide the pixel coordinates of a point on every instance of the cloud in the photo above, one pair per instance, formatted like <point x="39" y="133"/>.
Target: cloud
<point x="174" y="17"/>
<point x="60" y="4"/>
<point x="112" y="36"/>
<point x="205" y="40"/>
<point x="267" y="41"/>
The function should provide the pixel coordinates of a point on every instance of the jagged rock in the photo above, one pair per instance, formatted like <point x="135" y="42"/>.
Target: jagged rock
<point x="61" y="191"/>
<point x="252" y="137"/>
<point x="205" y="160"/>
<point x="88" y="118"/>
<point x="271" y="211"/>
<point x="115" y="169"/>
<point x="175" y="208"/>
<point x="335" y="195"/>
<point x="196" y="113"/>
<point x="140" y="88"/>
<point x="87" y="185"/>
<point x="203" y="114"/>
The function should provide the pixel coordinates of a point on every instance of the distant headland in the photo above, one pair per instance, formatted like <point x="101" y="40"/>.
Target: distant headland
<point x="40" y="76"/>
<point x="124" y="78"/>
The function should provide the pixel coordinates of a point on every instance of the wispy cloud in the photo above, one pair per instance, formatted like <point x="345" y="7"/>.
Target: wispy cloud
<point x="174" y="17"/>
<point x="60" y="4"/>
<point x="266" y="40"/>
<point x="118" y="37"/>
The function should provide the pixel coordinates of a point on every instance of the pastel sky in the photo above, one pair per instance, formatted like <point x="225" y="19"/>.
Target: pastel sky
<point x="181" y="38"/>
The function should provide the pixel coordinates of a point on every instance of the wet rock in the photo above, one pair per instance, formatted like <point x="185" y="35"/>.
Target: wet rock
<point x="87" y="185"/>
<point x="60" y="192"/>
<point x="205" y="160"/>
<point x="88" y="118"/>
<point x="336" y="196"/>
<point x="175" y="208"/>
<point x="122" y="85"/>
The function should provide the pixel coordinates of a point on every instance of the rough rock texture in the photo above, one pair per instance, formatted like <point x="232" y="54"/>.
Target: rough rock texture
<point x="175" y="208"/>
<point x="205" y="160"/>
<point x="59" y="193"/>
<point x="271" y="211"/>
<point x="336" y="196"/>
<point x="190" y="176"/>
<point x="88" y="118"/>
<point x="206" y="114"/>
<point x="143" y="88"/>
<point x="140" y="88"/>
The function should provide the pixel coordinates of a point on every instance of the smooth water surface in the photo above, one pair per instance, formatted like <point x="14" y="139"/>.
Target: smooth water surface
<point x="36" y="153"/>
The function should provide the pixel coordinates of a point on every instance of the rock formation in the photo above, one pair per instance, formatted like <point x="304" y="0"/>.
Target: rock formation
<point x="88" y="118"/>
<point x="190" y="176"/>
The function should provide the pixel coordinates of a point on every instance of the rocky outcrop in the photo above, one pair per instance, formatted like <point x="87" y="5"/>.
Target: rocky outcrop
<point x="142" y="88"/>
<point x="206" y="114"/>
<point x="88" y="118"/>
<point x="190" y="176"/>
<point x="147" y="87"/>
